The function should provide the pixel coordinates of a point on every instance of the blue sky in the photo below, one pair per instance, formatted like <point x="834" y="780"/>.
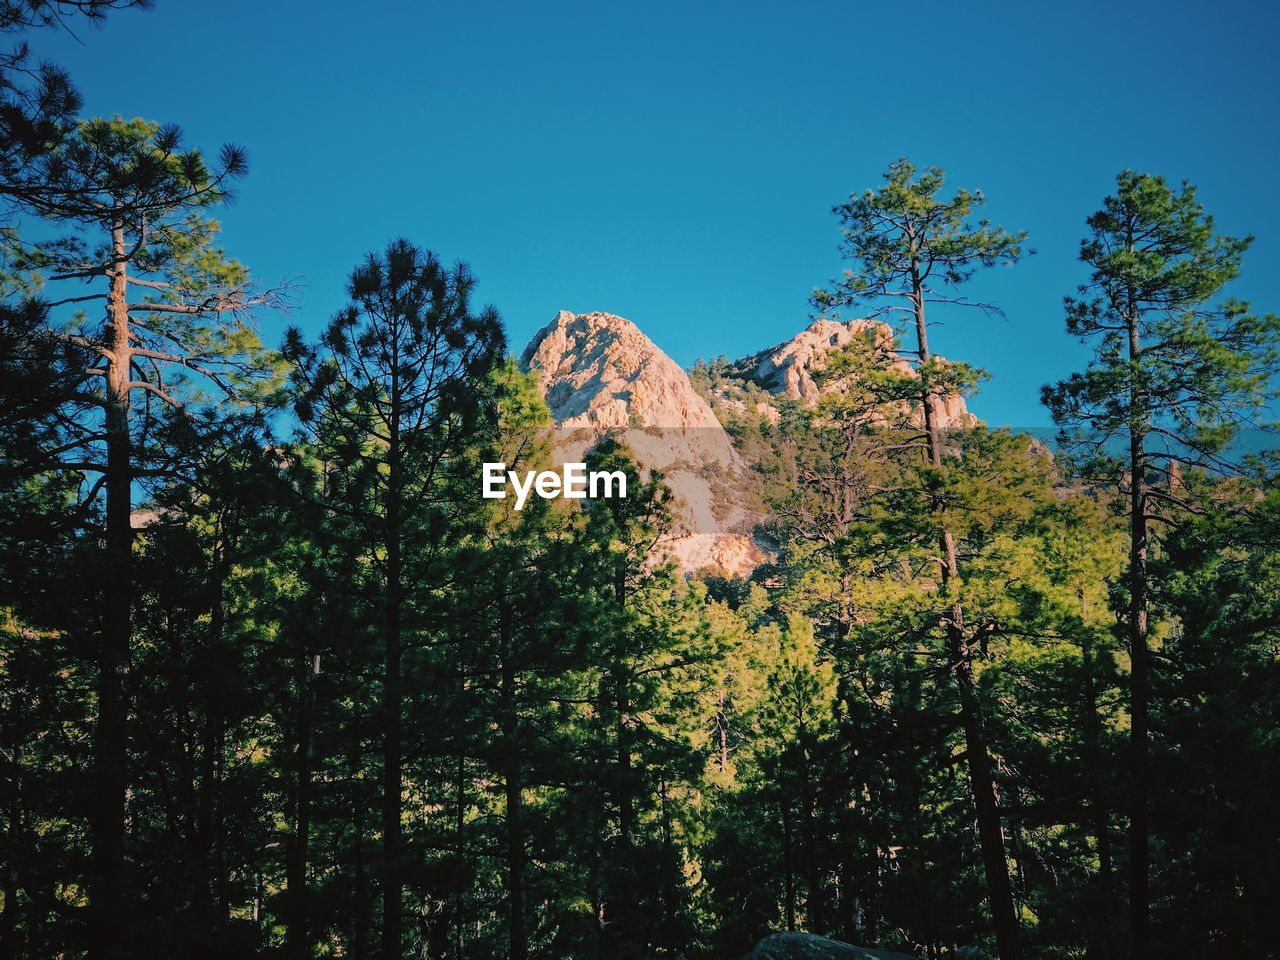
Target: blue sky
<point x="675" y="163"/>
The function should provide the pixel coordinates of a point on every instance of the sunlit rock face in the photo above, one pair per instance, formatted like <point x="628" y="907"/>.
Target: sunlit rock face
<point x="602" y="377"/>
<point x="792" y="368"/>
<point x="789" y="368"/>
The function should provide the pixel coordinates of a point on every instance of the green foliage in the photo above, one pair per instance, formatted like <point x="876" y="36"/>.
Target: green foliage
<point x="358" y="689"/>
<point x="884" y="231"/>
<point x="1215" y="759"/>
<point x="1202" y="367"/>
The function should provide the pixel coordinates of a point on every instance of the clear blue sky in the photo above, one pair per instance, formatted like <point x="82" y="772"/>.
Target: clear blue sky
<point x="675" y="163"/>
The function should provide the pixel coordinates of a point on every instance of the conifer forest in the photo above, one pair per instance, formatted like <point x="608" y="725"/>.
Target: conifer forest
<point x="276" y="681"/>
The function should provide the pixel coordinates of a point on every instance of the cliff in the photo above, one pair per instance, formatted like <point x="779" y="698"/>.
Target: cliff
<point x="602" y="377"/>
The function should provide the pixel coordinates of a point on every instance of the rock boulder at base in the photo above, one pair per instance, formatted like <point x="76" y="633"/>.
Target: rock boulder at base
<point x="809" y="946"/>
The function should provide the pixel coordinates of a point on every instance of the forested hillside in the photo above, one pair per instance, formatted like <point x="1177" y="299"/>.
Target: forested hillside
<point x="276" y="681"/>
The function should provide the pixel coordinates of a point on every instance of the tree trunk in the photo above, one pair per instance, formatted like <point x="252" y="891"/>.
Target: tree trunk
<point x="626" y="803"/>
<point x="620" y="901"/>
<point x="108" y="933"/>
<point x="1140" y="690"/>
<point x="513" y="776"/>
<point x="788" y="878"/>
<point x="622" y="706"/>
<point x="849" y="904"/>
<point x="814" y="920"/>
<point x="392" y="905"/>
<point x="722" y="731"/>
<point x="1092" y="729"/>
<point x="870" y="924"/>
<point x="12" y="853"/>
<point x="360" y="938"/>
<point x="626" y="916"/>
<point x="986" y="802"/>
<point x="981" y="770"/>
<point x="459" y="822"/>
<point x="210" y="826"/>
<point x="299" y="941"/>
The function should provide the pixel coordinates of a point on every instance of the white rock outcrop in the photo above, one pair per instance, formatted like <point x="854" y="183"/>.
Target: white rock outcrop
<point x="602" y="377"/>
<point x="789" y="368"/>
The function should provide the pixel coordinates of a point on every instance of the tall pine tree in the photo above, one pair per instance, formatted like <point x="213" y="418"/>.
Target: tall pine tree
<point x="1177" y="372"/>
<point x="387" y="397"/>
<point x="910" y="250"/>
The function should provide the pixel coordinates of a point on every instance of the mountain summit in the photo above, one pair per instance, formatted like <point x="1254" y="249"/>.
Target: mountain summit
<point x="602" y="377"/>
<point x="793" y="368"/>
<point x="599" y="371"/>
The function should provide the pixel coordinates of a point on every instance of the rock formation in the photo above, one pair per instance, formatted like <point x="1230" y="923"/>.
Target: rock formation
<point x="809" y="946"/>
<point x="601" y="376"/>
<point x="789" y="368"/>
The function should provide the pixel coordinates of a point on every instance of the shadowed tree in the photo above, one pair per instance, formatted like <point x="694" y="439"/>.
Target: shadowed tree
<point x="174" y="314"/>
<point x="1176" y="373"/>
<point x="386" y="397"/>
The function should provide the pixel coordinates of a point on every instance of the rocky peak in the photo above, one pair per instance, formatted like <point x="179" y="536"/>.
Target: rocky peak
<point x="599" y="371"/>
<point x="790" y="368"/>
<point x="602" y="377"/>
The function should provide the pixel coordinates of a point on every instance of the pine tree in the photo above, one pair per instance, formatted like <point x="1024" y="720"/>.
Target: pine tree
<point x="129" y="199"/>
<point x="387" y="398"/>
<point x="1216" y="845"/>
<point x="1177" y="371"/>
<point x="512" y="635"/>
<point x="910" y="250"/>
<point x="38" y="101"/>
